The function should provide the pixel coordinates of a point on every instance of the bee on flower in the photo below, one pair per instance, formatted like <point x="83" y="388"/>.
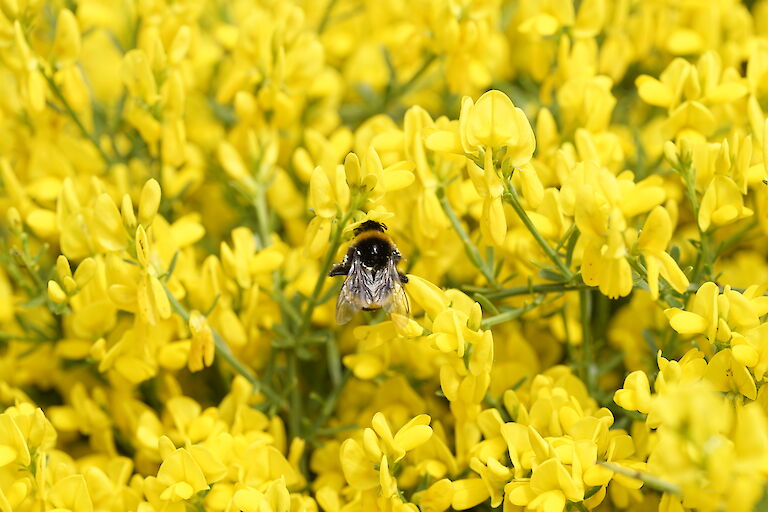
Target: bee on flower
<point x="372" y="279"/>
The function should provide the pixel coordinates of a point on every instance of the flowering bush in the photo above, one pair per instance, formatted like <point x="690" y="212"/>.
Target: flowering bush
<point x="578" y="189"/>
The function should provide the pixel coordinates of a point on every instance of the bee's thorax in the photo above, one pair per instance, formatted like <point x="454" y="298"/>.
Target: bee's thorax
<point x="374" y="252"/>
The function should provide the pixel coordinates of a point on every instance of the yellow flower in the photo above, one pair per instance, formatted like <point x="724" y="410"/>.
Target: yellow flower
<point x="494" y="122"/>
<point x="358" y="469"/>
<point x="152" y="301"/>
<point x="722" y="204"/>
<point x="652" y="243"/>
<point x="606" y="267"/>
<point x="494" y="475"/>
<point x="636" y="393"/>
<point x="437" y="498"/>
<point x="411" y="435"/>
<point x="689" y="91"/>
<point x="202" y="349"/>
<point x="71" y="493"/>
<point x="468" y="492"/>
<point x="727" y="374"/>
<point x="702" y="316"/>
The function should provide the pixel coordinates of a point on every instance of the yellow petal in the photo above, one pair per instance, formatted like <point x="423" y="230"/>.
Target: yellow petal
<point x="672" y="273"/>
<point x="358" y="471"/>
<point x="231" y="161"/>
<point x="468" y="493"/>
<point x="445" y="142"/>
<point x="42" y="222"/>
<point x="397" y="180"/>
<point x="66" y="45"/>
<point x="686" y="322"/>
<point x="427" y="295"/>
<point x="55" y="293"/>
<point x="495" y="220"/>
<point x="7" y="455"/>
<point x="149" y="202"/>
<point x="654" y="92"/>
<point x="657" y="231"/>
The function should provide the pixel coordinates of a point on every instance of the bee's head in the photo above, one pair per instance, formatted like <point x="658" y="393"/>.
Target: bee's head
<point x="370" y="225"/>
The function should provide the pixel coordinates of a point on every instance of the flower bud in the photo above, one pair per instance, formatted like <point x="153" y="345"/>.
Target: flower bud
<point x="85" y="271"/>
<point x="14" y="220"/>
<point x="126" y="210"/>
<point x="142" y="246"/>
<point x="149" y="202"/>
<point x="55" y="293"/>
<point x="66" y="46"/>
<point x="352" y="170"/>
<point x="62" y="267"/>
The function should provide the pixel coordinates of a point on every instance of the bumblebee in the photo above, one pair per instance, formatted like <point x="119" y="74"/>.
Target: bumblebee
<point x="373" y="281"/>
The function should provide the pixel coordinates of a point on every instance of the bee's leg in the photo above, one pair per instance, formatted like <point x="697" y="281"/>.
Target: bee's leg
<point x="403" y="277"/>
<point x="339" y="269"/>
<point x="342" y="269"/>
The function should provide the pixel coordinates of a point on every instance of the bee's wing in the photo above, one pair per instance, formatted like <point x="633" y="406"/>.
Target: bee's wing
<point x="349" y="301"/>
<point x="396" y="303"/>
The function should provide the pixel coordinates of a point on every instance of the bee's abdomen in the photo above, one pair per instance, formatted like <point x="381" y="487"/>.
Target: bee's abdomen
<point x="374" y="252"/>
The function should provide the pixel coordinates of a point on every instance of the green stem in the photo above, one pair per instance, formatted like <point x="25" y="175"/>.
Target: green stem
<point x="651" y="481"/>
<point x="506" y="316"/>
<point x="392" y="93"/>
<point x="325" y="267"/>
<point x="31" y="269"/>
<point x="73" y="115"/>
<point x="295" y="409"/>
<point x="402" y="89"/>
<point x="577" y="505"/>
<point x="704" y="260"/>
<point x="533" y="289"/>
<point x="330" y="405"/>
<point x="335" y="430"/>
<point x="223" y="351"/>
<point x="735" y="238"/>
<point x="278" y="298"/>
<point x="262" y="214"/>
<point x="19" y="337"/>
<point x="326" y="16"/>
<point x="469" y="247"/>
<point x="511" y="197"/>
<point x="587" y="364"/>
<point x="638" y="267"/>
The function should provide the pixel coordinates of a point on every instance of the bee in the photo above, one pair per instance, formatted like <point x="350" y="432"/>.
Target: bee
<point x="373" y="281"/>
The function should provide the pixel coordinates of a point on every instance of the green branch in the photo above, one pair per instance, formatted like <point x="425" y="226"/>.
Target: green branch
<point x="508" y="315"/>
<point x="651" y="481"/>
<point x="57" y="92"/>
<point x="469" y="247"/>
<point x="223" y="351"/>
<point x="515" y="291"/>
<point x="392" y="93"/>
<point x="736" y="238"/>
<point x="262" y="214"/>
<point x="329" y="405"/>
<point x="326" y="16"/>
<point x="510" y="196"/>
<point x="314" y="300"/>
<point x="295" y="408"/>
<point x="704" y="258"/>
<point x="587" y="365"/>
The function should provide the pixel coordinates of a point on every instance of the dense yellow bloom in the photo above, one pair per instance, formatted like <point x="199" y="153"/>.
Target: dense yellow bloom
<point x="569" y="196"/>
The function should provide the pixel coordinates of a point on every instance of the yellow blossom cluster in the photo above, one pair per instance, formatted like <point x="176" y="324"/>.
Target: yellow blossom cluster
<point x="577" y="192"/>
